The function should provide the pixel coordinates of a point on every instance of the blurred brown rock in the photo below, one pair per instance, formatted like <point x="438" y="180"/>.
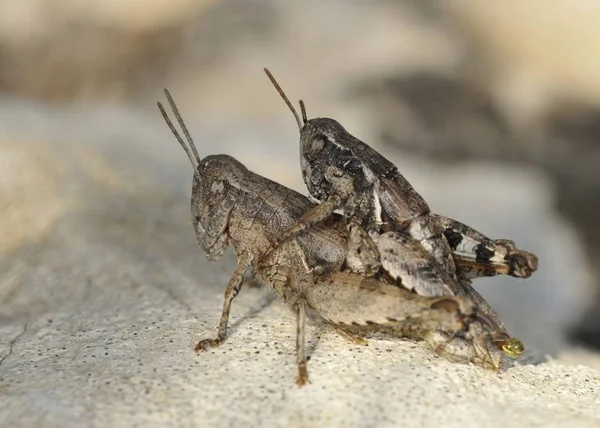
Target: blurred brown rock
<point x="65" y="49"/>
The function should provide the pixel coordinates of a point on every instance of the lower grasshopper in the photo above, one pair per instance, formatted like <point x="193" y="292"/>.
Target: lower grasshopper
<point x="232" y="206"/>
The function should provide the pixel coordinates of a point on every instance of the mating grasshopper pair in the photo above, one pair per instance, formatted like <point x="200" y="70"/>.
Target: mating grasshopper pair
<point x="387" y="265"/>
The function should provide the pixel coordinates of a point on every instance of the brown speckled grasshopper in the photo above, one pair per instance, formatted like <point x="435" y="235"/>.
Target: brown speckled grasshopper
<point x="321" y="268"/>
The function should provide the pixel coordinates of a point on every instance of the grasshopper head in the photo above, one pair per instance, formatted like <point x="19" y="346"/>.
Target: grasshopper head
<point x="329" y="164"/>
<point x="214" y="195"/>
<point x="212" y="200"/>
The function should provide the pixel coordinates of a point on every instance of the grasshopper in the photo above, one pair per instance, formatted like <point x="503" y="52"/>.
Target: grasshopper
<point x="232" y="206"/>
<point x="344" y="173"/>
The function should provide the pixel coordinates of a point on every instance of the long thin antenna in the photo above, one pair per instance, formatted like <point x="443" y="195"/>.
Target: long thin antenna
<point x="303" y="110"/>
<point x="285" y="98"/>
<point x="189" y="138"/>
<point x="174" y="131"/>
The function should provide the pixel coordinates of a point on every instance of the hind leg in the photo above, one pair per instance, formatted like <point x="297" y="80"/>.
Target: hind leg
<point x="476" y="255"/>
<point x="302" y="378"/>
<point x="349" y="336"/>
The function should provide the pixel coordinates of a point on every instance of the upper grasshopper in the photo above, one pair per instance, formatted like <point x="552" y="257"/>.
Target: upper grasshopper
<point x="344" y="173"/>
<point x="232" y="206"/>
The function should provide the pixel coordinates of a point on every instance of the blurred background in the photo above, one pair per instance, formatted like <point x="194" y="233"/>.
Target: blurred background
<point x="490" y="109"/>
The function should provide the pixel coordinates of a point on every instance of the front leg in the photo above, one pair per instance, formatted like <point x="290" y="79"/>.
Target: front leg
<point x="363" y="256"/>
<point x="476" y="255"/>
<point x="302" y="378"/>
<point x="315" y="215"/>
<point x="233" y="288"/>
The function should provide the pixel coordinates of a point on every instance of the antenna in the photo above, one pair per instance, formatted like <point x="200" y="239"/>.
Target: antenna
<point x="183" y="127"/>
<point x="303" y="111"/>
<point x="285" y="98"/>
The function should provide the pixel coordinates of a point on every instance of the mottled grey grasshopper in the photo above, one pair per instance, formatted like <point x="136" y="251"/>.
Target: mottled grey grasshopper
<point x="232" y="206"/>
<point x="344" y="173"/>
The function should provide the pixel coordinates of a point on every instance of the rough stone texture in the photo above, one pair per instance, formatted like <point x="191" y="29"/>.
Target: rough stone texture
<point x="132" y="365"/>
